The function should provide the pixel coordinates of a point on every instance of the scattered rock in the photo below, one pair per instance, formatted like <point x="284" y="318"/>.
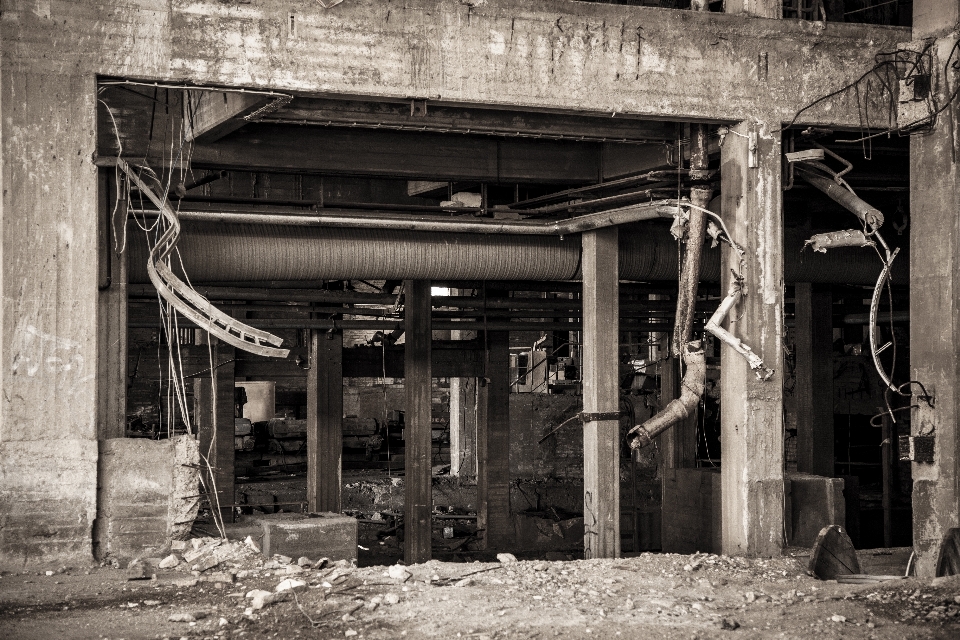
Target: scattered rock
<point x="169" y="562"/>
<point x="282" y="559"/>
<point x="250" y="543"/>
<point x="137" y="571"/>
<point x="391" y="598"/>
<point x="464" y="582"/>
<point x="729" y="624"/>
<point x="399" y="572"/>
<point x="750" y="596"/>
<point x="178" y="545"/>
<point x="506" y="558"/>
<point x="838" y="618"/>
<point x="186" y="582"/>
<point x="291" y="584"/>
<point x="304" y="561"/>
<point x="182" y="617"/>
<point x="321" y="563"/>
<point x="264" y="598"/>
<point x="349" y="633"/>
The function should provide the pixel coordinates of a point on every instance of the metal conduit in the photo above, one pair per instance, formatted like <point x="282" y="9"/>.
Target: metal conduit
<point x="213" y="252"/>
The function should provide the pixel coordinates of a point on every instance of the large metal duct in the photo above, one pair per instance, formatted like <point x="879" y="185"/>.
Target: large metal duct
<point x="218" y="252"/>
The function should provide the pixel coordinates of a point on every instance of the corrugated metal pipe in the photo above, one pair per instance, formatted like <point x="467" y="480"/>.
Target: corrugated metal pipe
<point x="222" y="252"/>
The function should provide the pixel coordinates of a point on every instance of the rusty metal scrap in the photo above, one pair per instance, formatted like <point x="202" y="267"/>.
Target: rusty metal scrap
<point x="834" y="239"/>
<point x="680" y="408"/>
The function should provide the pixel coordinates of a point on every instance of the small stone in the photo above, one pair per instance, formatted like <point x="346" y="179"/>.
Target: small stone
<point x="349" y="633"/>
<point x="185" y="582"/>
<point x="260" y="600"/>
<point x="178" y="545"/>
<point x="464" y="582"/>
<point x="628" y="604"/>
<point x="506" y="558"/>
<point x="223" y="622"/>
<point x="291" y="584"/>
<point x="137" y="571"/>
<point x="48" y="573"/>
<point x="281" y="559"/>
<point x="399" y="572"/>
<point x="838" y="618"/>
<point x="391" y="598"/>
<point x="729" y="624"/>
<point x="750" y="596"/>
<point x="207" y="563"/>
<point x="151" y="603"/>
<point x="304" y="561"/>
<point x="688" y="567"/>
<point x="169" y="562"/>
<point x="182" y="617"/>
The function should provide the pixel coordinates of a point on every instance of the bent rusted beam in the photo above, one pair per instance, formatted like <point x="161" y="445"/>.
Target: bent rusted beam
<point x="680" y="408"/>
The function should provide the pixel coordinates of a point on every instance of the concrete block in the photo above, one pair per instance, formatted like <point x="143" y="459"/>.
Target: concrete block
<point x="814" y="503"/>
<point x="328" y="535"/>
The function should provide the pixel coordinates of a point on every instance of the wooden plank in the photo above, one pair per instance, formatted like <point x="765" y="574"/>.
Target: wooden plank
<point x="214" y="416"/>
<point x="324" y="421"/>
<point x="493" y="444"/>
<point x="814" y="390"/>
<point x="751" y="409"/>
<point x="601" y="394"/>
<point x="209" y="116"/>
<point x="418" y="386"/>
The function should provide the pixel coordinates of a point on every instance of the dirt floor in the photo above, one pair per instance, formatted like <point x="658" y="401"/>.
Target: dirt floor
<point x="651" y="595"/>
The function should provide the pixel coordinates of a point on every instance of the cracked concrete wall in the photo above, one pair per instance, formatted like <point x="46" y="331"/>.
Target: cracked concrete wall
<point x="550" y="54"/>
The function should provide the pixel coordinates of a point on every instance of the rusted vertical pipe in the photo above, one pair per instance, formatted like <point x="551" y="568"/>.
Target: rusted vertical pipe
<point x="700" y="194"/>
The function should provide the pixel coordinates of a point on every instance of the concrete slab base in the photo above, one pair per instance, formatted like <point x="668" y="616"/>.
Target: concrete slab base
<point x="329" y="535"/>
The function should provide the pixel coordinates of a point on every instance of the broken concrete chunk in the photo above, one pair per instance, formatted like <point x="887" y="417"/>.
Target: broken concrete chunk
<point x="250" y="543"/>
<point x="304" y="561"/>
<point x="291" y="584"/>
<point x="178" y="545"/>
<point x="219" y="576"/>
<point x="399" y="572"/>
<point x="137" y="571"/>
<point x="206" y="563"/>
<point x="321" y="563"/>
<point x="169" y="562"/>
<point x="506" y="558"/>
<point x="282" y="559"/>
<point x="260" y="601"/>
<point x="391" y="598"/>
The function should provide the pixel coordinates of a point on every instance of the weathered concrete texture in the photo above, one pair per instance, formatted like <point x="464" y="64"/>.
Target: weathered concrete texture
<point x="141" y="498"/>
<point x="548" y="53"/>
<point x="812" y="503"/>
<point x="47" y="502"/>
<point x="752" y="409"/>
<point x="330" y="535"/>
<point x="690" y="520"/>
<point x="935" y="298"/>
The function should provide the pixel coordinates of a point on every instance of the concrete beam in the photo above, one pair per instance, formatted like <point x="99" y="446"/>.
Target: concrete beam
<point x="935" y="319"/>
<point x="751" y="409"/>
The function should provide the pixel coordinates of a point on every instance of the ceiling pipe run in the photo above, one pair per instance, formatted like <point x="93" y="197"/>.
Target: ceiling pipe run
<point x="218" y="252"/>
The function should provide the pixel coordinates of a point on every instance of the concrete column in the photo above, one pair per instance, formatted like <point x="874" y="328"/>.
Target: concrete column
<point x="601" y="394"/>
<point x="463" y="418"/>
<point x="935" y="299"/>
<point x="325" y="421"/>
<point x="418" y="386"/>
<point x="463" y="427"/>
<point x="493" y="444"/>
<point x="112" y="311"/>
<point x="751" y="409"/>
<point x="214" y="417"/>
<point x="814" y="390"/>
<point x="48" y="311"/>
